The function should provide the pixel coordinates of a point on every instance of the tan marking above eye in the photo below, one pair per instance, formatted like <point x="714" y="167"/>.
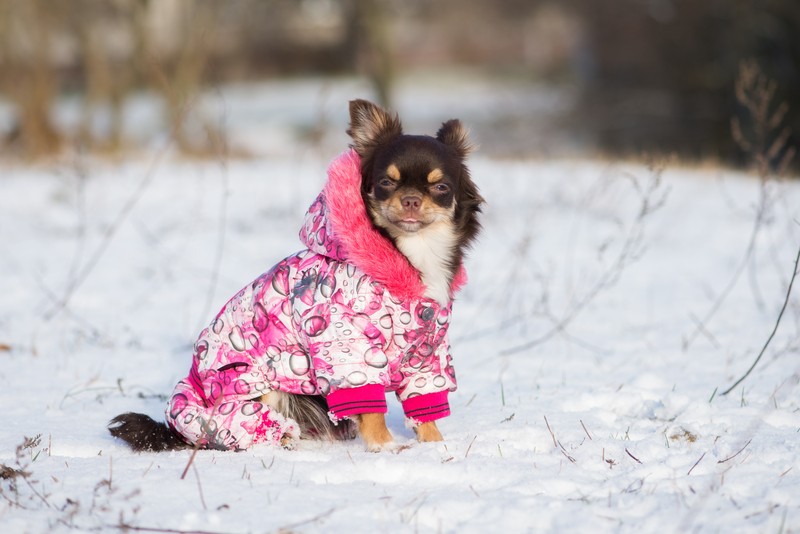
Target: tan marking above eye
<point x="435" y="175"/>
<point x="393" y="172"/>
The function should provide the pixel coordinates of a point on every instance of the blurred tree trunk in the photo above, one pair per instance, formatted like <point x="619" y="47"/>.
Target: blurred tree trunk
<point x="26" y="74"/>
<point x="100" y="85"/>
<point x="178" y="79"/>
<point x="370" y="28"/>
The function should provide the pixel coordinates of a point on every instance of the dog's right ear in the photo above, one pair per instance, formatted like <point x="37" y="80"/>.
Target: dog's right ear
<point x="371" y="126"/>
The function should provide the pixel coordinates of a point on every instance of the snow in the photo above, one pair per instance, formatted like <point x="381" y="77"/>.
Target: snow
<point x="588" y="397"/>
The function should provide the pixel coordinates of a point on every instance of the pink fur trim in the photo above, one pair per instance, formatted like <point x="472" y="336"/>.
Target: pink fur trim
<point x="459" y="280"/>
<point x="364" y="245"/>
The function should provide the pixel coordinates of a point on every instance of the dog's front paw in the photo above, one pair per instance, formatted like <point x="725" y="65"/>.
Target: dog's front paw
<point x="428" y="432"/>
<point x="372" y="428"/>
<point x="389" y="446"/>
<point x="379" y="439"/>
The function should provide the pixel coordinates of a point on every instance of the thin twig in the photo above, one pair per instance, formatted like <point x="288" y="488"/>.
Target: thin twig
<point x="41" y="497"/>
<point x="755" y="92"/>
<point x="470" y="446"/>
<point x="191" y="459"/>
<point x="775" y="328"/>
<point x="564" y="452"/>
<point x="635" y="459"/>
<point x="126" y="209"/>
<point x="555" y="444"/>
<point x="695" y="464"/>
<point x="701" y="325"/>
<point x="206" y="429"/>
<point x="199" y="487"/>
<point x="630" y="251"/>
<point x="106" y="239"/>
<point x="584" y="429"/>
<point x="125" y="526"/>
<point x="509" y="418"/>
<point x="108" y="236"/>
<point x="737" y="454"/>
<point x="472" y="398"/>
<point x="291" y="527"/>
<point x="701" y="329"/>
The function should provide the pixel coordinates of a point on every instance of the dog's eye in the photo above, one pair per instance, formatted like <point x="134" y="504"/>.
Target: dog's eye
<point x="386" y="182"/>
<point x="440" y="188"/>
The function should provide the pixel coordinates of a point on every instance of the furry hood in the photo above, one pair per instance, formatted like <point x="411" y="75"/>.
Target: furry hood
<point x="337" y="226"/>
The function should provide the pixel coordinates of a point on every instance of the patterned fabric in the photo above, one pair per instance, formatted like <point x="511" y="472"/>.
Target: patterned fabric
<point x="325" y="321"/>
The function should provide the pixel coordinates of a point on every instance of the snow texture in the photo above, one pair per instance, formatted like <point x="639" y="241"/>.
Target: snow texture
<point x="589" y="374"/>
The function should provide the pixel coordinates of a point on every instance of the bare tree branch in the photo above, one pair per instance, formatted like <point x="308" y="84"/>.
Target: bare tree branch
<point x="767" y="143"/>
<point x="774" y="329"/>
<point x="652" y="198"/>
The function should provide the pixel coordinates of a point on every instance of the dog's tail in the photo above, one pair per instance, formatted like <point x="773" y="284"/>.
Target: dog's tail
<point x="143" y="433"/>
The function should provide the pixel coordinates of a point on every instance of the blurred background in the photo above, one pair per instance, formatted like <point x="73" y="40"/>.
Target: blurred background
<point x="532" y="78"/>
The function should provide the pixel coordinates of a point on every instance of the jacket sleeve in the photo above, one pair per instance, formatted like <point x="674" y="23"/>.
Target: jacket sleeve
<point x="348" y="359"/>
<point x="428" y="379"/>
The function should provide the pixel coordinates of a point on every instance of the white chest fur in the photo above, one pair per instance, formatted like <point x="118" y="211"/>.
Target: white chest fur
<point x="430" y="251"/>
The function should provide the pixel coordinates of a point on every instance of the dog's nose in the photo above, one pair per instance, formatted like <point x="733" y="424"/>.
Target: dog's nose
<point x="411" y="203"/>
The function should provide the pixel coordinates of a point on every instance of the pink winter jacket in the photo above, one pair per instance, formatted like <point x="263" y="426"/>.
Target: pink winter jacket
<point x="346" y="318"/>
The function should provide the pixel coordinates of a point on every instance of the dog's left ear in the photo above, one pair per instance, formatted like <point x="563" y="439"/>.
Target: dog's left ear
<point x="455" y="135"/>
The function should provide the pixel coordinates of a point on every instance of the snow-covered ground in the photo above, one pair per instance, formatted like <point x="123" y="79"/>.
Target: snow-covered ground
<point x="590" y="357"/>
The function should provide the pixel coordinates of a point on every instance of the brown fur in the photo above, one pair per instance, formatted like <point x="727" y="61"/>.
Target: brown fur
<point x="372" y="429"/>
<point x="311" y="414"/>
<point x="428" y="432"/>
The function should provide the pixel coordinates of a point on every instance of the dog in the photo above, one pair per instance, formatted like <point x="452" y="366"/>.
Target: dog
<point x="309" y="348"/>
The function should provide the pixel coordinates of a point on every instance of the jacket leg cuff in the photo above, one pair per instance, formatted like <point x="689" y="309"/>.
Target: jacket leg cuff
<point x="428" y="407"/>
<point x="353" y="401"/>
<point x="273" y="428"/>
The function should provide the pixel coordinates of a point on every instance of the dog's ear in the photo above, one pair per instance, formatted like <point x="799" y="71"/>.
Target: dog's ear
<point x="370" y="126"/>
<point x="455" y="135"/>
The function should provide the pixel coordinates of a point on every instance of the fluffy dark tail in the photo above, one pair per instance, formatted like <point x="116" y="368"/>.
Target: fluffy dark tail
<point x="143" y="433"/>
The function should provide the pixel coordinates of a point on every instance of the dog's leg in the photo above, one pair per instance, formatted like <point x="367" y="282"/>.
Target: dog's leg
<point x="372" y="428"/>
<point x="428" y="432"/>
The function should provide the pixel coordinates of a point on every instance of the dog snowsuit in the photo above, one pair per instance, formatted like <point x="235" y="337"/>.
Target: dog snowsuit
<point x="346" y="319"/>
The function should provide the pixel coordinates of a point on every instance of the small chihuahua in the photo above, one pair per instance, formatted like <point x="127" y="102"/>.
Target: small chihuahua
<point x="312" y="345"/>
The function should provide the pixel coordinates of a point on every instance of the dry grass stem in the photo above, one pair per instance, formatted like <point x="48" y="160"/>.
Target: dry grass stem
<point x="774" y="329"/>
<point x="635" y="459"/>
<point x="584" y="429"/>
<point x="470" y="446"/>
<point x="689" y="472"/>
<point x="766" y="142"/>
<point x="737" y="453"/>
<point x="546" y="422"/>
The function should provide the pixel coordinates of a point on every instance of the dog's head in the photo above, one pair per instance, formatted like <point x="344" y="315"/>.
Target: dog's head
<point x="411" y="182"/>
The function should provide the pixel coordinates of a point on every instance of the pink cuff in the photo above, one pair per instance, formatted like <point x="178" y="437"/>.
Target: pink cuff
<point x="352" y="401"/>
<point x="272" y="427"/>
<point x="428" y="407"/>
